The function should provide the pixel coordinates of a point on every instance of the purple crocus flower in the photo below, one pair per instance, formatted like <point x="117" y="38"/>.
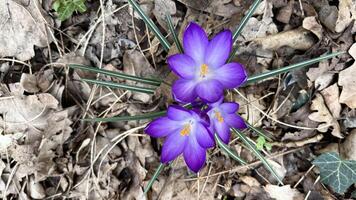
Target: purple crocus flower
<point x="186" y="132"/>
<point x="202" y="68"/>
<point x="223" y="117"/>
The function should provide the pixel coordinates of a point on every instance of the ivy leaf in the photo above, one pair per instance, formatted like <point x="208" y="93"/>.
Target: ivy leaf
<point x="262" y="143"/>
<point x="65" y="8"/>
<point x="353" y="194"/>
<point x="335" y="172"/>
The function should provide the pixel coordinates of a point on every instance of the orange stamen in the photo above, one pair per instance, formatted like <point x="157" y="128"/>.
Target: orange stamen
<point x="186" y="130"/>
<point x="204" y="69"/>
<point x="219" y="116"/>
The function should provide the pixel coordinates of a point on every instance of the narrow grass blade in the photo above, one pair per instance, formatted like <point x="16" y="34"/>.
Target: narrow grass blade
<point x="242" y="25"/>
<point x="225" y="148"/>
<point x="257" y="153"/>
<point x="174" y="34"/>
<point x="119" y="85"/>
<point x="245" y="20"/>
<point x="258" y="77"/>
<point x="154" y="177"/>
<point x="148" y="81"/>
<point x="128" y="118"/>
<point x="151" y="25"/>
<point x="259" y="132"/>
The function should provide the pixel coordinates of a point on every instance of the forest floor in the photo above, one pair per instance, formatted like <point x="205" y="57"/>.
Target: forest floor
<point x="49" y="152"/>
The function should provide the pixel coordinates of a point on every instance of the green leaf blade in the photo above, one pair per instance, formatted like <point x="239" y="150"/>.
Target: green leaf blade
<point x="245" y="19"/>
<point x="335" y="172"/>
<point x="154" y="177"/>
<point x="148" y="81"/>
<point x="226" y="149"/>
<point x="174" y="34"/>
<point x="119" y="85"/>
<point x="128" y="118"/>
<point x="258" y="77"/>
<point x="257" y="154"/>
<point x="242" y="25"/>
<point x="259" y="132"/>
<point x="148" y="21"/>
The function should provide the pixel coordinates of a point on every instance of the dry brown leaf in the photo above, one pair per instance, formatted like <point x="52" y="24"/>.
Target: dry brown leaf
<point x="347" y="13"/>
<point x="223" y="8"/>
<point x="324" y="80"/>
<point x="161" y="9"/>
<point x="299" y="143"/>
<point x="347" y="81"/>
<point x="250" y="181"/>
<point x="136" y="64"/>
<point x="316" y="72"/>
<point x="348" y="147"/>
<point x="29" y="83"/>
<point x="26" y="112"/>
<point x="22" y="27"/>
<point x="328" y="16"/>
<point x="256" y="28"/>
<point x="278" y="168"/>
<point x="285" y="13"/>
<point x="323" y="116"/>
<point x="331" y="97"/>
<point x="250" y="113"/>
<point x="283" y="192"/>
<point x="296" y="39"/>
<point x="311" y="24"/>
<point x="36" y="189"/>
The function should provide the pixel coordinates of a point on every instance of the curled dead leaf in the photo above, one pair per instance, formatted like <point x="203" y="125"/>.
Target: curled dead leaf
<point x="283" y="192"/>
<point x="26" y="112"/>
<point x="22" y="27"/>
<point x="324" y="116"/>
<point x="347" y="13"/>
<point x="347" y="148"/>
<point x="297" y="39"/>
<point x="347" y="81"/>
<point x="331" y="97"/>
<point x="311" y="24"/>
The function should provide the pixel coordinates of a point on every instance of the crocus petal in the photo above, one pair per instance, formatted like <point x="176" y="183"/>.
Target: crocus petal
<point x="203" y="136"/>
<point x="161" y="127"/>
<point x="223" y="130"/>
<point x="219" y="49"/>
<point x="184" y="90"/>
<point x="235" y="121"/>
<point x="183" y="65"/>
<point x="177" y="113"/>
<point x="217" y="103"/>
<point x="231" y="75"/>
<point x="229" y="107"/>
<point x="210" y="90"/>
<point x="194" y="155"/>
<point x="173" y="146"/>
<point x="195" y="42"/>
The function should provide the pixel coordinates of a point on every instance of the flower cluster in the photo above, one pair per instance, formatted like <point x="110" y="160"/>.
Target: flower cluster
<point x="203" y="76"/>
